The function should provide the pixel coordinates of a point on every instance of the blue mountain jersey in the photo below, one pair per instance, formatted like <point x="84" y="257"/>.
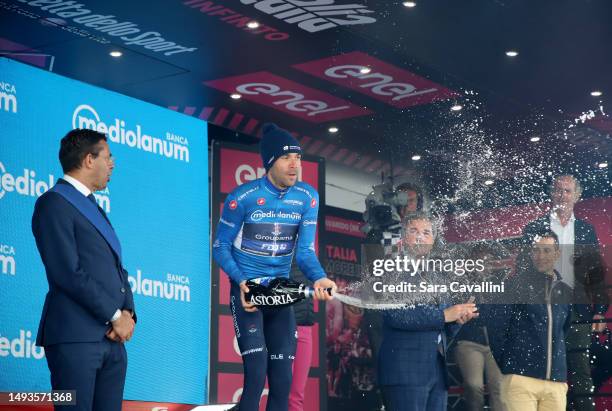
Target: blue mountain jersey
<point x="261" y="227"/>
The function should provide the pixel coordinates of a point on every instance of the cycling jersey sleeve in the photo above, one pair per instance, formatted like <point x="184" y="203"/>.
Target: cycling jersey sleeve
<point x="305" y="251"/>
<point x="229" y="225"/>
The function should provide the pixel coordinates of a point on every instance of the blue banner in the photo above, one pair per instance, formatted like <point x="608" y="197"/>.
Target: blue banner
<point x="158" y="203"/>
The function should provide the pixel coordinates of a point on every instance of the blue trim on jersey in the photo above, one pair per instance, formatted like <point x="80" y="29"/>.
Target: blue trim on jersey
<point x="262" y="227"/>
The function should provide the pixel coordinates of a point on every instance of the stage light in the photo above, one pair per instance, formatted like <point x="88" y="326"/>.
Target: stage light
<point x="333" y="129"/>
<point x="409" y="4"/>
<point x="416" y="157"/>
<point x="511" y="53"/>
<point x="253" y="25"/>
<point x="236" y="96"/>
<point x="456" y="107"/>
<point x="116" y="53"/>
<point x="596" y="93"/>
<point x="534" y="139"/>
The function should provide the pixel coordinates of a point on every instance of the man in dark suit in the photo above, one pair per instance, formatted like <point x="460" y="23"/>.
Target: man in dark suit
<point x="88" y="313"/>
<point x="581" y="268"/>
<point x="412" y="360"/>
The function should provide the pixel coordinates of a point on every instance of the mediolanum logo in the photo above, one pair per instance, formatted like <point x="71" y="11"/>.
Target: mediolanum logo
<point x="23" y="346"/>
<point x="314" y="15"/>
<point x="121" y="132"/>
<point x="257" y="215"/>
<point x="174" y="288"/>
<point x="8" y="97"/>
<point x="26" y="184"/>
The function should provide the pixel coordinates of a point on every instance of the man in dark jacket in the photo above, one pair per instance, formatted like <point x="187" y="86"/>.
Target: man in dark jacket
<point x="581" y="268"/>
<point x="528" y="341"/>
<point x="88" y="313"/>
<point x="412" y="359"/>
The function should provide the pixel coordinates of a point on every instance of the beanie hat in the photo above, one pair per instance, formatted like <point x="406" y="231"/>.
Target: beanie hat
<point x="275" y="143"/>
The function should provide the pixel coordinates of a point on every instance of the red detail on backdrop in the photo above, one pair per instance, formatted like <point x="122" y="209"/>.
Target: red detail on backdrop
<point x="384" y="82"/>
<point x="126" y="406"/>
<point x="343" y="226"/>
<point x="288" y="97"/>
<point x="224" y="288"/>
<point x="239" y="167"/>
<point x="230" y="390"/>
<point x="25" y="53"/>
<point x="509" y="222"/>
<point x="227" y="341"/>
<point x="315" y="346"/>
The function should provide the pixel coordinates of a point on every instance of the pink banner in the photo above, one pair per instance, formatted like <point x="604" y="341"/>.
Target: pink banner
<point x="384" y="82"/>
<point x="288" y="97"/>
<point x="239" y="167"/>
<point x="344" y="226"/>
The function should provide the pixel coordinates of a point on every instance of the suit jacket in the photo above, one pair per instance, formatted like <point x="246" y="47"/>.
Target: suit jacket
<point x="589" y="271"/>
<point x="409" y="350"/>
<point x="87" y="282"/>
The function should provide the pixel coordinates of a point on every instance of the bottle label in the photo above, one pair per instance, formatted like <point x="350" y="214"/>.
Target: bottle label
<point x="284" y="299"/>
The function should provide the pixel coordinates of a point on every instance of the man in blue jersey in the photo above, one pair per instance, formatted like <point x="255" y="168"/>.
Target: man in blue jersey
<point x="263" y="224"/>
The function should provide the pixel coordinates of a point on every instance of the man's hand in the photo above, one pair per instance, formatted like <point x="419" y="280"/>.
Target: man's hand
<point x="123" y="327"/>
<point x="320" y="289"/>
<point x="248" y="307"/>
<point x="131" y="314"/>
<point x="599" y="327"/>
<point x="461" y="313"/>
<point x="112" y="335"/>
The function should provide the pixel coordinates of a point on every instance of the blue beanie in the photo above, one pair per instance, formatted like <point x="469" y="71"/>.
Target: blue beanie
<point x="275" y="143"/>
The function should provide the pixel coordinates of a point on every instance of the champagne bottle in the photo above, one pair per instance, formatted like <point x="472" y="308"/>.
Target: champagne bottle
<point x="277" y="291"/>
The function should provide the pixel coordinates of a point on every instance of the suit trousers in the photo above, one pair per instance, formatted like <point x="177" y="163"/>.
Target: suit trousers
<point x="96" y="370"/>
<point x="432" y="395"/>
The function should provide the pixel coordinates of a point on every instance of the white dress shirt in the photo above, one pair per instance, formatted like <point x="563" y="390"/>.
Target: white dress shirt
<point x="565" y="263"/>
<point x="78" y="185"/>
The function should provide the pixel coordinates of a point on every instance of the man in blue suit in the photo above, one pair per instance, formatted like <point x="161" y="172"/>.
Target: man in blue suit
<point x="88" y="313"/>
<point x="412" y="359"/>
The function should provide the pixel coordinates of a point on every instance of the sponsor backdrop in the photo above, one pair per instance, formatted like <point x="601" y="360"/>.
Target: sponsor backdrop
<point x="349" y="356"/>
<point x="234" y="165"/>
<point x="158" y="204"/>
